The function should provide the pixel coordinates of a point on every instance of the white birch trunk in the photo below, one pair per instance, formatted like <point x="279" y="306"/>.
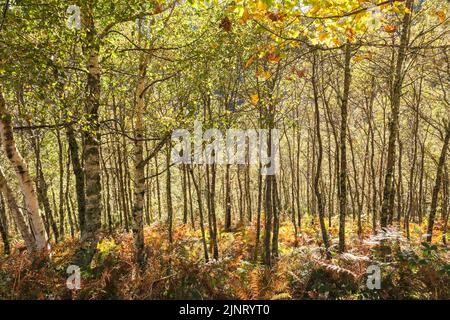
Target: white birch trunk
<point x="22" y="173"/>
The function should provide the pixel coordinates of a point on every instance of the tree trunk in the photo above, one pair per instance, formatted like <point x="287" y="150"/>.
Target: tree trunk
<point x="42" y="192"/>
<point x="258" y="214"/>
<point x="17" y="214"/>
<point x="387" y="206"/>
<point x="437" y="184"/>
<point x="25" y="182"/>
<point x="318" y="194"/>
<point x="169" y="196"/>
<point x="61" y="184"/>
<point x="227" y="199"/>
<point x="79" y="176"/>
<point x="445" y="204"/>
<point x="343" y="149"/>
<point x="4" y="230"/>
<point x="139" y="170"/>
<point x="411" y="182"/>
<point x="91" y="137"/>
<point x="200" y="210"/>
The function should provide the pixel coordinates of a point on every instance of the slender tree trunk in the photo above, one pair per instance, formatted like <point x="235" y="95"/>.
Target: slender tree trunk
<point x="108" y="193"/>
<point x="17" y="214"/>
<point x="258" y="214"/>
<point x="158" y="189"/>
<point x="191" y="211"/>
<point x="61" y="184"/>
<point x="139" y="170"/>
<point x="42" y="191"/>
<point x="386" y="209"/>
<point x="227" y="199"/>
<point x="343" y="149"/>
<point x="411" y="182"/>
<point x="91" y="135"/>
<point x="276" y="219"/>
<point x="23" y="175"/>
<point x="184" y="190"/>
<point x="400" y="182"/>
<point x="210" y="192"/>
<point x="445" y="204"/>
<point x="420" y="205"/>
<point x="248" y="193"/>
<point x="268" y="219"/>
<point x="200" y="210"/>
<point x="169" y="196"/>
<point x="66" y="197"/>
<point x="437" y="184"/>
<point x="79" y="177"/>
<point x="4" y="230"/>
<point x="318" y="194"/>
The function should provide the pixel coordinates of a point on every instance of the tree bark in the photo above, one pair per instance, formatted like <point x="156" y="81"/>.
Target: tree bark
<point x="387" y="205"/>
<point x="437" y="184"/>
<point x="200" y="210"/>
<point x="343" y="149"/>
<point x="23" y="175"/>
<point x="318" y="194"/>
<point x="4" y="230"/>
<point x="17" y="214"/>
<point x="79" y="176"/>
<point x="139" y="171"/>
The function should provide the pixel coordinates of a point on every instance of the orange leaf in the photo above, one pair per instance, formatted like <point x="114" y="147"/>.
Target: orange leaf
<point x="254" y="99"/>
<point x="390" y="28"/>
<point x="336" y="42"/>
<point x="249" y="62"/>
<point x="245" y="16"/>
<point x="441" y="16"/>
<point x="273" y="57"/>
<point x="350" y="34"/>
<point x="323" y="36"/>
<point x="263" y="74"/>
<point x="299" y="73"/>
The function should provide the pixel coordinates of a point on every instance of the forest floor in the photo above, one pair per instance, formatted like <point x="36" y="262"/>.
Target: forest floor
<point x="409" y="269"/>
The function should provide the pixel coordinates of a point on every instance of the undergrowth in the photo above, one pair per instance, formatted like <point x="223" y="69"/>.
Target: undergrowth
<point x="409" y="269"/>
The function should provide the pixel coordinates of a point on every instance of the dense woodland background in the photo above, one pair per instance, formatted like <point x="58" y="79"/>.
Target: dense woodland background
<point x="359" y="91"/>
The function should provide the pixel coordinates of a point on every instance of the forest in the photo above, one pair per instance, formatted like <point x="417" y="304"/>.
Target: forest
<point x="114" y="182"/>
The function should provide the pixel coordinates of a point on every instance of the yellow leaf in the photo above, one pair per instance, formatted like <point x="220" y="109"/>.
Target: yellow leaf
<point x="260" y="5"/>
<point x="245" y="16"/>
<point x="249" y="62"/>
<point x="263" y="74"/>
<point x="323" y="36"/>
<point x="254" y="99"/>
<point x="336" y="42"/>
<point x="441" y="15"/>
<point x="396" y="9"/>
